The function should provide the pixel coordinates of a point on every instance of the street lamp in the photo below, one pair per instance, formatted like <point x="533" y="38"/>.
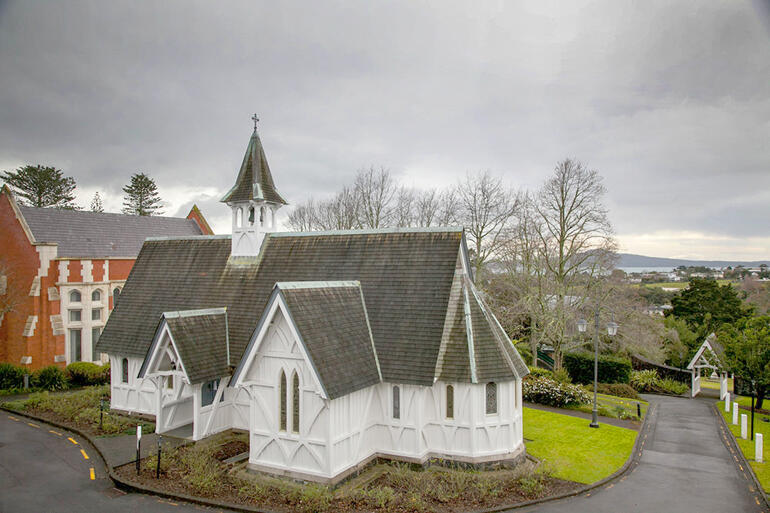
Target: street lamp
<point x="612" y="330"/>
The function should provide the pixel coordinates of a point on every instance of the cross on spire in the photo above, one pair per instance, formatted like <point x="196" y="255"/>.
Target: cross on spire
<point x="256" y="120"/>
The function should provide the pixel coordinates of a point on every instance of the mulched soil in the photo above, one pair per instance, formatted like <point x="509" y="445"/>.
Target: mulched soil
<point x="231" y="449"/>
<point x="227" y="491"/>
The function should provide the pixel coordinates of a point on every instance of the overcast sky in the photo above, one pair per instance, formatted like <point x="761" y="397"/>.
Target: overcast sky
<point x="669" y="101"/>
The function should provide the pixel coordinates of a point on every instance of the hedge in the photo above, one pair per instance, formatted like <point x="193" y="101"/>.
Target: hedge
<point x="82" y="374"/>
<point x="612" y="369"/>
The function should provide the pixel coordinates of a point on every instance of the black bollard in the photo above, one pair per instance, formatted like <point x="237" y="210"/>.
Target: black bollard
<point x="639" y="410"/>
<point x="157" y="470"/>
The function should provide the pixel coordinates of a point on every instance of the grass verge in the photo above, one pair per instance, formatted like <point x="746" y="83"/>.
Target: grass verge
<point x="573" y="451"/>
<point x="80" y="410"/>
<point x="614" y="407"/>
<point x="762" y="470"/>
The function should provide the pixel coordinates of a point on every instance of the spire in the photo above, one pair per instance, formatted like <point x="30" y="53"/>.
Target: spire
<point x="254" y="182"/>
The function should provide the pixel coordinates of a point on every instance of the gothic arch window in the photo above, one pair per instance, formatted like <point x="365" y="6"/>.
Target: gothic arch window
<point x="75" y="296"/>
<point x="282" y="402"/>
<point x="491" y="398"/>
<point x="96" y="295"/>
<point x="295" y="403"/>
<point x="124" y="370"/>
<point x="115" y="296"/>
<point x="251" y="216"/>
<point x="396" y="402"/>
<point x="239" y="217"/>
<point x="450" y="402"/>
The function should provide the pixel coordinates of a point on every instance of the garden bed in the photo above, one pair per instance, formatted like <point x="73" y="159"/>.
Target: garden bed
<point x="80" y="410"/>
<point x="197" y="470"/>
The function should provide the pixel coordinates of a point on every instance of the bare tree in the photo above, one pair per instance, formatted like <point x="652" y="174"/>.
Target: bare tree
<point x="404" y="212"/>
<point x="303" y="217"/>
<point x="376" y="189"/>
<point x="484" y="207"/>
<point x="576" y="242"/>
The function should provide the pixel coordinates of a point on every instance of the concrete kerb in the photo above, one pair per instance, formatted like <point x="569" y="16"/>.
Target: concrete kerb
<point x="732" y="445"/>
<point x="138" y="488"/>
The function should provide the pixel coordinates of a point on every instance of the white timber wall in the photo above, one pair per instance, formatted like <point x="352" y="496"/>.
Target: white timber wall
<point x="336" y="435"/>
<point x="138" y="395"/>
<point x="303" y="450"/>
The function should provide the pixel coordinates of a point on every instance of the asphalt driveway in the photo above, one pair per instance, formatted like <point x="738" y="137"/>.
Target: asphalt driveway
<point x="684" y="467"/>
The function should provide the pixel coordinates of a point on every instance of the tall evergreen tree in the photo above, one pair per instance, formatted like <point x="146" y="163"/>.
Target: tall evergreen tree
<point x="141" y="196"/>
<point x="96" y="203"/>
<point x="42" y="186"/>
<point x="706" y="306"/>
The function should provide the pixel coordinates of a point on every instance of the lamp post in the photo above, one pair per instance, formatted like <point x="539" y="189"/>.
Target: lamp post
<point x="612" y="329"/>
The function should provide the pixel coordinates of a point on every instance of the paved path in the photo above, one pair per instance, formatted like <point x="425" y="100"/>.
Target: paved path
<point x="41" y="470"/>
<point x="683" y="467"/>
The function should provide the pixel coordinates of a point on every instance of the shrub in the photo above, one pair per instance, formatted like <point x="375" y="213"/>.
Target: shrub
<point x="612" y="369"/>
<point x="49" y="378"/>
<point x="524" y="351"/>
<point x="645" y="380"/>
<point x="540" y="372"/>
<point x="562" y="376"/>
<point x="82" y="374"/>
<point x="648" y="381"/>
<point x="617" y="389"/>
<point x="11" y="376"/>
<point x="547" y="391"/>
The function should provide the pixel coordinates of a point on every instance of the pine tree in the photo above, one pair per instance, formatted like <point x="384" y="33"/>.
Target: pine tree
<point x="141" y="196"/>
<point x="42" y="186"/>
<point x="96" y="203"/>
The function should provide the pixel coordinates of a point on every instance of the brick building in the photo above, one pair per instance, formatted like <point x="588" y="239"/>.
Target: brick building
<point x="63" y="270"/>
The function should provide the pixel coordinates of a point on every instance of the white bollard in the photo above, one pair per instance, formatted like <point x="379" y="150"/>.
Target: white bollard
<point x="744" y="426"/>
<point x="735" y="414"/>
<point x="727" y="402"/>
<point x="758" y="447"/>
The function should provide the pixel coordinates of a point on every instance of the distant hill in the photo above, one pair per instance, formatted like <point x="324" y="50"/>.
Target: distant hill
<point x="630" y="260"/>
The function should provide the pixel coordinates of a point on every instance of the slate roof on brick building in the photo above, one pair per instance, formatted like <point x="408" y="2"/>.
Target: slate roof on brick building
<point x="332" y="321"/>
<point x="255" y="171"/>
<point x="83" y="234"/>
<point x="405" y="275"/>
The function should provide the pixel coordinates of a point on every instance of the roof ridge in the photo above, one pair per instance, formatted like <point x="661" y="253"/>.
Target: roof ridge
<point x="373" y="231"/>
<point x="293" y="285"/>
<point x="68" y="211"/>
<point x="175" y="314"/>
<point x="188" y="237"/>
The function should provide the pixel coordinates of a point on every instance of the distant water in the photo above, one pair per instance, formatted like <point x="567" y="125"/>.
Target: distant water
<point x="630" y="270"/>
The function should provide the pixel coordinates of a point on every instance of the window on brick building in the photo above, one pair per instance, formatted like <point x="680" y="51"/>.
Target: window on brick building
<point x="76" y="345"/>
<point x="76" y="315"/>
<point x="96" y="295"/>
<point x="75" y="296"/>
<point x="115" y="296"/>
<point x="96" y="314"/>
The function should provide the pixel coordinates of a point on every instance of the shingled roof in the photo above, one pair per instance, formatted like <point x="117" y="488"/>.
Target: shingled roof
<point x="254" y="179"/>
<point x="84" y="234"/>
<point x="201" y="338"/>
<point x="406" y="277"/>
<point x="332" y="322"/>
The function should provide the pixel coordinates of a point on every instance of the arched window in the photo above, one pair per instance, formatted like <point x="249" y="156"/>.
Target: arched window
<point x="124" y="370"/>
<point x="282" y="400"/>
<point x="239" y="218"/>
<point x="115" y="296"/>
<point x="251" y="216"/>
<point x="96" y="295"/>
<point x="75" y="296"/>
<point x="491" y="398"/>
<point x="261" y="216"/>
<point x="295" y="403"/>
<point x="396" y="402"/>
<point x="450" y="402"/>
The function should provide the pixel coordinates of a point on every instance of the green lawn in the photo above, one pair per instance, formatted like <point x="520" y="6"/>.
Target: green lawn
<point x="705" y="383"/>
<point x="574" y="451"/>
<point x="680" y="284"/>
<point x="762" y="470"/>
<point x="613" y="406"/>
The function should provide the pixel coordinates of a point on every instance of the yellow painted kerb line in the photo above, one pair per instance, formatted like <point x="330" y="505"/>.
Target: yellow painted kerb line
<point x="72" y="440"/>
<point x="93" y="477"/>
<point x="85" y="456"/>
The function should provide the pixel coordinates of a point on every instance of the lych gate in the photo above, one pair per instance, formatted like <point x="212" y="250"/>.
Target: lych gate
<point x="710" y="356"/>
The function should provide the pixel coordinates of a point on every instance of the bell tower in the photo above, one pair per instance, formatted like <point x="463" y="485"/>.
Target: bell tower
<point x="253" y="199"/>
